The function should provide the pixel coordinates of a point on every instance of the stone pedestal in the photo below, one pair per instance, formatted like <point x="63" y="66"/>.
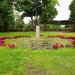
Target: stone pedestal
<point x="37" y="32"/>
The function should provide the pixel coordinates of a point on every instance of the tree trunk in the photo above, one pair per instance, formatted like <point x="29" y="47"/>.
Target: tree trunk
<point x="5" y="26"/>
<point x="45" y="27"/>
<point x="33" y="23"/>
<point x="1" y="24"/>
<point x="73" y="29"/>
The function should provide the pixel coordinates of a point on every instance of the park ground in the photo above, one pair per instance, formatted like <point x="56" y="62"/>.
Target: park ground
<point x="37" y="62"/>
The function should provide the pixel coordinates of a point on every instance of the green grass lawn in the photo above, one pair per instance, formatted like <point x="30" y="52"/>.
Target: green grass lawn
<point x="37" y="62"/>
<point x="17" y="34"/>
<point x="33" y="33"/>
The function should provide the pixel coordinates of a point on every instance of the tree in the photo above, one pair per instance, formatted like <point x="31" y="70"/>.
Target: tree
<point x="5" y="13"/>
<point x="29" y="7"/>
<point x="72" y="15"/>
<point x="20" y="23"/>
<point x="49" y="11"/>
<point x="72" y="9"/>
<point x="43" y="8"/>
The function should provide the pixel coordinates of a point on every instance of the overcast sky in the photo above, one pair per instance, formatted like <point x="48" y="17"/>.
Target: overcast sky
<point x="63" y="11"/>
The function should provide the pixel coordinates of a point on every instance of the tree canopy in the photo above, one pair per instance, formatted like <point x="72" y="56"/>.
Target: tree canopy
<point x="5" y="13"/>
<point x="43" y="8"/>
<point x="72" y="9"/>
<point x="72" y="15"/>
<point x="49" y="11"/>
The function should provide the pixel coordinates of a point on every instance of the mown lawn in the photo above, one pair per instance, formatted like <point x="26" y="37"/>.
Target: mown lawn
<point x="37" y="62"/>
<point x="17" y="34"/>
<point x="33" y="33"/>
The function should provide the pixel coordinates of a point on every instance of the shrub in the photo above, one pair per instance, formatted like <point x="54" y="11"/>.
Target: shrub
<point x="56" y="45"/>
<point x="11" y="45"/>
<point x="2" y="43"/>
<point x="73" y="43"/>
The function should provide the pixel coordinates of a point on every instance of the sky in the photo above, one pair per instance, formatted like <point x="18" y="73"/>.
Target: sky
<point x="62" y="8"/>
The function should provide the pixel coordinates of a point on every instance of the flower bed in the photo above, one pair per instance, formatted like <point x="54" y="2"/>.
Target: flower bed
<point x="73" y="42"/>
<point x="2" y="43"/>
<point x="55" y="42"/>
<point x="63" y="37"/>
<point x="71" y="38"/>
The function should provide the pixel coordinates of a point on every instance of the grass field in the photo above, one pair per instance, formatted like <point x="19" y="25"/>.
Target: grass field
<point x="37" y="62"/>
<point x="33" y="33"/>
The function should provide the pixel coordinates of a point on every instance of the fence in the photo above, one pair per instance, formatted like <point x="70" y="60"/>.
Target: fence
<point x="48" y="27"/>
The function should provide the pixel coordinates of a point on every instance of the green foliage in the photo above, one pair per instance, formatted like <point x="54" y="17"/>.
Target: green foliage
<point x="20" y="23"/>
<point x="6" y="13"/>
<point x="44" y="9"/>
<point x="72" y="8"/>
<point x="5" y="5"/>
<point x="49" y="11"/>
<point x="28" y="6"/>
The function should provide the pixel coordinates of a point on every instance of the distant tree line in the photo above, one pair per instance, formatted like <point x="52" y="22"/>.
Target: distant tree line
<point x="43" y="10"/>
<point x="72" y="15"/>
